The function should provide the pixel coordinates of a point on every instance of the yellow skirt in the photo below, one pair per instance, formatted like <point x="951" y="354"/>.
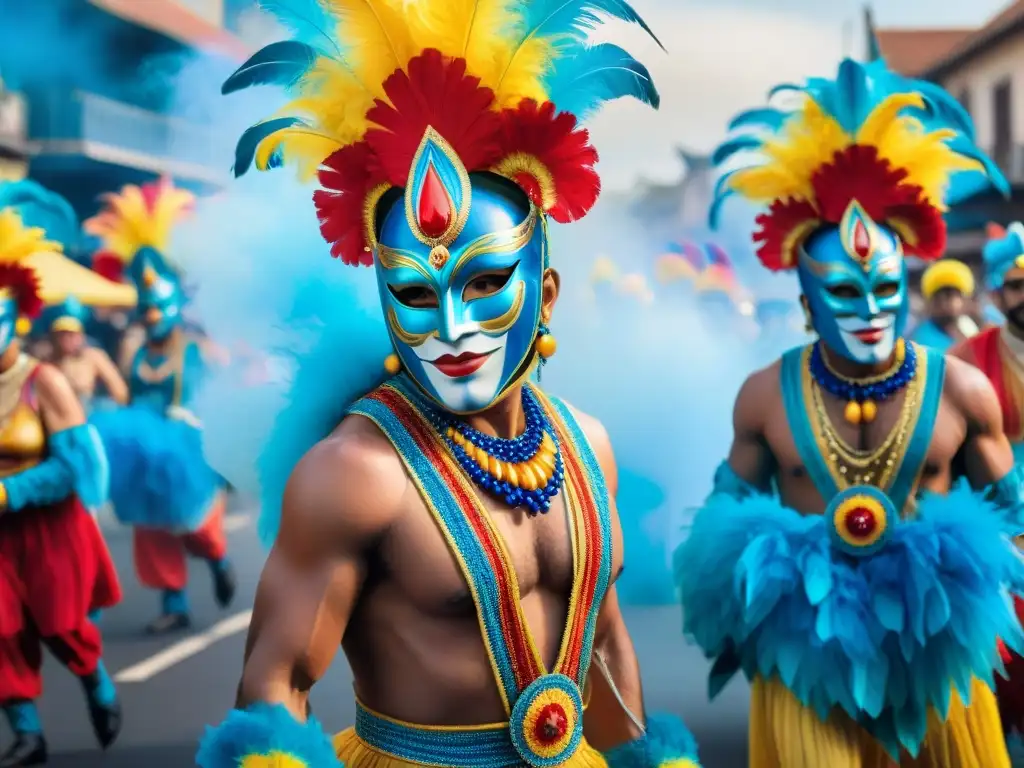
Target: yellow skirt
<point x="786" y="734"/>
<point x="356" y="753"/>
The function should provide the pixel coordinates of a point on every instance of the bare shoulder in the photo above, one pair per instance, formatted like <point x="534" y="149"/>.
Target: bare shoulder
<point x="758" y="390"/>
<point x="97" y="355"/>
<point x="968" y="390"/>
<point x="348" y="489"/>
<point x="54" y="391"/>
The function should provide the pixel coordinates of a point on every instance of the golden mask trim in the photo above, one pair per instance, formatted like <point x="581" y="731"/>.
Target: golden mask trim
<point x="455" y="226"/>
<point x="501" y="324"/>
<point x="404" y="336"/>
<point x="507" y="241"/>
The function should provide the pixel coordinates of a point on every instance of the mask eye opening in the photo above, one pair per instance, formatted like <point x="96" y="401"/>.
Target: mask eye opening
<point x="416" y="296"/>
<point x="887" y="289"/>
<point x="487" y="283"/>
<point x="844" y="291"/>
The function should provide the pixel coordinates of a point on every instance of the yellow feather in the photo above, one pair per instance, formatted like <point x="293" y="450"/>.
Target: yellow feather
<point x="882" y="117"/>
<point x="128" y="223"/>
<point x="523" y="72"/>
<point x="18" y="242"/>
<point x="765" y="183"/>
<point x="377" y="38"/>
<point x="927" y="159"/>
<point x="305" y="149"/>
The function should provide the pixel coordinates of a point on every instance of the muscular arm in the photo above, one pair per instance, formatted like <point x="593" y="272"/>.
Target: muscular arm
<point x="986" y="453"/>
<point x="340" y="499"/>
<point x="108" y="375"/>
<point x="607" y="724"/>
<point x="58" y="404"/>
<point x="749" y="456"/>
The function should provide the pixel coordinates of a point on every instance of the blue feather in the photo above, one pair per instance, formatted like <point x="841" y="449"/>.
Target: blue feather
<point x="39" y="207"/>
<point x="598" y="74"/>
<point x="261" y="730"/>
<point x="570" y="21"/>
<point x="249" y="142"/>
<point x="760" y="118"/>
<point x="276" y="64"/>
<point x="732" y="146"/>
<point x="964" y="146"/>
<point x="748" y="571"/>
<point x="307" y="20"/>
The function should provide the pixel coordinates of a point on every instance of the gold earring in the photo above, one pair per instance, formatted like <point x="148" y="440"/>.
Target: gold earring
<point x="545" y="344"/>
<point x="392" y="364"/>
<point x="23" y="326"/>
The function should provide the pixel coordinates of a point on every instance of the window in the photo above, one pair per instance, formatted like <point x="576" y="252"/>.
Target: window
<point x="1002" y="123"/>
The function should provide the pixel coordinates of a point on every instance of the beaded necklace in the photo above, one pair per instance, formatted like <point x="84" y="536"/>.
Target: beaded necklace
<point x="863" y="395"/>
<point x="524" y="470"/>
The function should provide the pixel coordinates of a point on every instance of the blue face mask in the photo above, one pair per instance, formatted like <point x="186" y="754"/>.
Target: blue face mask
<point x="159" y="306"/>
<point x="460" y="264"/>
<point x="854" y="279"/>
<point x="8" y="322"/>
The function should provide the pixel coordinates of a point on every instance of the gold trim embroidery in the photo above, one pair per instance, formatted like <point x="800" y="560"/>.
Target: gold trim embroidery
<point x="431" y="136"/>
<point x="506" y="320"/>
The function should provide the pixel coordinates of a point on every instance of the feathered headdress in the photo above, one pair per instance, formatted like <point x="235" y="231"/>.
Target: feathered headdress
<point x="503" y="82"/>
<point x="40" y="207"/>
<point x="17" y="278"/>
<point x="890" y="143"/>
<point x="1003" y="251"/>
<point x="136" y="217"/>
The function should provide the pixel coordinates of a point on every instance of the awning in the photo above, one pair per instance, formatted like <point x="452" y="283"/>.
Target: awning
<point x="60" y="277"/>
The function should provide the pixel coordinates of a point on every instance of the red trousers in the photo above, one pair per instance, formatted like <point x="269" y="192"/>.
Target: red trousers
<point x="54" y="569"/>
<point x="1010" y="693"/>
<point x="161" y="556"/>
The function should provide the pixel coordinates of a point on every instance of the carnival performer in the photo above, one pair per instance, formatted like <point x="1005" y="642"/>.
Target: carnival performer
<point x="832" y="564"/>
<point x="160" y="482"/>
<point x="90" y="371"/>
<point x="999" y="352"/>
<point x="946" y="286"/>
<point x="456" y="488"/>
<point x="54" y="564"/>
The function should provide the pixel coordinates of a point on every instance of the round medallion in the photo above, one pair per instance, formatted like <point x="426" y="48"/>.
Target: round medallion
<point x="547" y="721"/>
<point x="859" y="520"/>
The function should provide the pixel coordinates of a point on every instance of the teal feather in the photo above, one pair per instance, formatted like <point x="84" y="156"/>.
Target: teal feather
<point x="39" y="207"/>
<point x="759" y="118"/>
<point x="308" y="21"/>
<point x="248" y="143"/>
<point x="571" y="21"/>
<point x="735" y="145"/>
<point x="598" y="74"/>
<point x="276" y="64"/>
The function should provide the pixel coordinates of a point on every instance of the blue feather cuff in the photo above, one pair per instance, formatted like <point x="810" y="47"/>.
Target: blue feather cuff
<point x="1007" y="494"/>
<point x="667" y="743"/>
<point x="885" y="637"/>
<point x="266" y="730"/>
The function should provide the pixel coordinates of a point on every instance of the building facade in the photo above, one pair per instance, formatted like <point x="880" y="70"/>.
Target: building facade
<point x="94" y="111"/>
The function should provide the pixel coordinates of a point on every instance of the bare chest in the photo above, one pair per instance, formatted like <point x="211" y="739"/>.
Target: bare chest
<point x="874" y="453"/>
<point x="80" y="373"/>
<point x="430" y="569"/>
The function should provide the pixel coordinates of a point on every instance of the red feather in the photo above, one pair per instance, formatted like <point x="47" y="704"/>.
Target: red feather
<point x="562" y="148"/>
<point x="435" y="93"/>
<point x="346" y="179"/>
<point x="855" y="173"/>
<point x="23" y="283"/>
<point x="108" y="265"/>
<point x="775" y="229"/>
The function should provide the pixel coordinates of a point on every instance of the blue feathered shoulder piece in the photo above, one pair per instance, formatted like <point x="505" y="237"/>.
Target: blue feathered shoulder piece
<point x="884" y="636"/>
<point x="667" y="743"/>
<point x="1000" y="255"/>
<point x="270" y="732"/>
<point x="39" y="207"/>
<point x="306" y="335"/>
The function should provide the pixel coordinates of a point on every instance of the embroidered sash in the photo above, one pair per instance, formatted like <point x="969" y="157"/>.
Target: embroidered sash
<point x="900" y="484"/>
<point x="476" y="543"/>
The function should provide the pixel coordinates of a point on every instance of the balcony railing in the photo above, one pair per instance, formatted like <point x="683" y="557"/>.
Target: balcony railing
<point x="141" y="137"/>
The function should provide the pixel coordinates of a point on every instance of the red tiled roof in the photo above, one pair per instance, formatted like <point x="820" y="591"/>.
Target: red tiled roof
<point x="175" y="20"/>
<point x="912" y="52"/>
<point x="1005" y="22"/>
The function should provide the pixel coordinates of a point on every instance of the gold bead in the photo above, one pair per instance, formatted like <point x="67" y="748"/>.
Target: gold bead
<point x="483" y="460"/>
<point x="23" y="326"/>
<point x="392" y="364"/>
<point x="512" y="475"/>
<point x="497" y="468"/>
<point x="527" y="479"/>
<point x="546" y="346"/>
<point x="852" y="413"/>
<point x="545" y="459"/>
<point x="868" y="411"/>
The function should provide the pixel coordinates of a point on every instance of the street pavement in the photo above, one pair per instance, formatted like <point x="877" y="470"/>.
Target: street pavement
<point x="173" y="687"/>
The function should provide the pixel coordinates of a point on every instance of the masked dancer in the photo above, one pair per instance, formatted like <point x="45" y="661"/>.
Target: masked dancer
<point x="160" y="482"/>
<point x="832" y="564"/>
<point x="454" y="529"/>
<point x="54" y="564"/>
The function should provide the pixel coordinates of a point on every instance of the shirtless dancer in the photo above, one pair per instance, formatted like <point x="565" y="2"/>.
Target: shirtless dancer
<point x="456" y="534"/>
<point x="869" y="629"/>
<point x="84" y="366"/>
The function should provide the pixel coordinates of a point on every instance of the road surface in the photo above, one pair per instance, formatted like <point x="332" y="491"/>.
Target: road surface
<point x="173" y="687"/>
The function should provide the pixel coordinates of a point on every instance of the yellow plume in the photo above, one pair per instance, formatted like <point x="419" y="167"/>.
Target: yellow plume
<point x="18" y="242"/>
<point x="138" y="217"/>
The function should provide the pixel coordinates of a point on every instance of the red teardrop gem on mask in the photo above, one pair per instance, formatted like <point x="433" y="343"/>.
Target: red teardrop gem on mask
<point x="435" y="209"/>
<point x="861" y="240"/>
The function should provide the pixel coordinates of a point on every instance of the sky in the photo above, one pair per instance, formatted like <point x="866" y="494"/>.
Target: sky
<point x="724" y="55"/>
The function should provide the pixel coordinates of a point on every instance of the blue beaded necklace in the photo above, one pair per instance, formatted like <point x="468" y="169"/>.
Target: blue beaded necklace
<point x="524" y="471"/>
<point x="862" y="396"/>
